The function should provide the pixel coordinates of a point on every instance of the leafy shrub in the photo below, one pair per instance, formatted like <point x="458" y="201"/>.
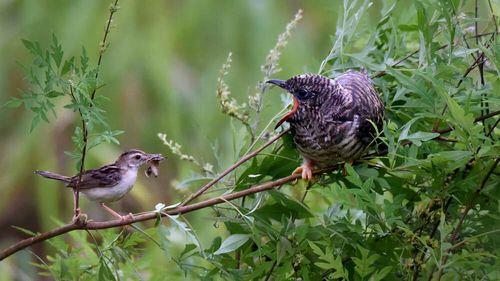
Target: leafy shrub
<point x="426" y="207"/>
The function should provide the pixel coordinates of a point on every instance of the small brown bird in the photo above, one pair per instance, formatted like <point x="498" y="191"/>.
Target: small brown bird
<point x="110" y="182"/>
<point x="332" y="120"/>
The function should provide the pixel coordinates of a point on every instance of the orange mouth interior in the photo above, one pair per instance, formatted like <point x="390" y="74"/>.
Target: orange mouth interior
<point x="290" y="113"/>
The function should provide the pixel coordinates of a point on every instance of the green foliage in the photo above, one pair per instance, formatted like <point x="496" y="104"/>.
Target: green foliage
<point x="422" y="210"/>
<point x="52" y="77"/>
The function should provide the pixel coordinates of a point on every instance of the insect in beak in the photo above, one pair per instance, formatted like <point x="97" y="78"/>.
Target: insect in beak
<point x="154" y="163"/>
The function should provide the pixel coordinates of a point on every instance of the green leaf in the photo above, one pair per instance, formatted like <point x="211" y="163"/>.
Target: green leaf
<point x="54" y="94"/>
<point x="32" y="47"/>
<point x="409" y="83"/>
<point x="13" y="103"/>
<point x="57" y="52"/>
<point x="419" y="137"/>
<point x="232" y="243"/>
<point x="34" y="122"/>
<point x="187" y="249"/>
<point x="24" y="230"/>
<point x="67" y="66"/>
<point x="184" y="228"/>
<point x="364" y="265"/>
<point x="105" y="273"/>
<point x="315" y="248"/>
<point x="282" y="248"/>
<point x="381" y="274"/>
<point x="163" y="233"/>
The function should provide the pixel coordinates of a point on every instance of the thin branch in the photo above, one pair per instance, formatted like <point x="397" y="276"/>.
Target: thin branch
<point x="233" y="167"/>
<point x="81" y="223"/>
<point x="455" y="232"/>
<point x="76" y="190"/>
<point x="472" y="201"/>
<point x="383" y="72"/>
<point x="112" y="11"/>
<point x="478" y="62"/>
<point x="468" y="168"/>
<point x="102" y="48"/>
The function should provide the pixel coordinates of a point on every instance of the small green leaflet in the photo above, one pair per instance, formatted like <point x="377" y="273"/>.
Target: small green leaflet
<point x="232" y="243"/>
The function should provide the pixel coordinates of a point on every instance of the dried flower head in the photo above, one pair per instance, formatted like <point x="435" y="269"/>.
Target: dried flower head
<point x="271" y="67"/>
<point x="228" y="104"/>
<point x="175" y="148"/>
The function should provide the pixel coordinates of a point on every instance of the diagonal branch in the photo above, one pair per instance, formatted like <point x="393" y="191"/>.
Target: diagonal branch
<point x="233" y="167"/>
<point x="78" y="224"/>
<point x="182" y="209"/>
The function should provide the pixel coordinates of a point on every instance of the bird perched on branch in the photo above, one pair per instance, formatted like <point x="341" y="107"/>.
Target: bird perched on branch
<point x="332" y="120"/>
<point x="110" y="182"/>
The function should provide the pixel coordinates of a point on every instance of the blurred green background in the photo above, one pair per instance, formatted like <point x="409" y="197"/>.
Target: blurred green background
<point x="160" y="75"/>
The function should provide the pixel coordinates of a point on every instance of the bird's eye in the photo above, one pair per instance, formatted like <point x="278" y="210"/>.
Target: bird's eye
<point x="302" y="94"/>
<point x="138" y="157"/>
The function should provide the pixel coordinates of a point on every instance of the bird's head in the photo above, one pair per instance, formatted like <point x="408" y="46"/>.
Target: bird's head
<point x="135" y="158"/>
<point x="305" y="90"/>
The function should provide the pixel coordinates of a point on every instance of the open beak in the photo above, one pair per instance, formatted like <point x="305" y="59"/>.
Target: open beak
<point x="282" y="84"/>
<point x="289" y="114"/>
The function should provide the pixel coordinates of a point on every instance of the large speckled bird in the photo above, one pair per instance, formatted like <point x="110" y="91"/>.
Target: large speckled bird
<point x="332" y="120"/>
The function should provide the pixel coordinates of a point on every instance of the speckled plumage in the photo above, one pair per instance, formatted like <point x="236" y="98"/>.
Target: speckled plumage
<point x="332" y="121"/>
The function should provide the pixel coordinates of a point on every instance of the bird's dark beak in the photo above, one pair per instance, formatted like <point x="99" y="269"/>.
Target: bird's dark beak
<point x="279" y="83"/>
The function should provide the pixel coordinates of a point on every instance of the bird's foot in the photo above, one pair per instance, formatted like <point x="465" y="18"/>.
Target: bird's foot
<point x="305" y="171"/>
<point x="117" y="215"/>
<point x="79" y="218"/>
<point x="77" y="213"/>
<point x="127" y="217"/>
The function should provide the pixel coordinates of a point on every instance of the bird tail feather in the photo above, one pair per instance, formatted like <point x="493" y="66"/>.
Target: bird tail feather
<point x="54" y="176"/>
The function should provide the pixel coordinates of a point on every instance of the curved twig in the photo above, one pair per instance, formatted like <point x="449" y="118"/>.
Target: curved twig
<point x="233" y="167"/>
<point x="182" y="209"/>
<point x="142" y="217"/>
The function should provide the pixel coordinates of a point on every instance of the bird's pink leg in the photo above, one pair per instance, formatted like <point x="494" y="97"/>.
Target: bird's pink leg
<point x="75" y="203"/>
<point x="115" y="214"/>
<point x="305" y="170"/>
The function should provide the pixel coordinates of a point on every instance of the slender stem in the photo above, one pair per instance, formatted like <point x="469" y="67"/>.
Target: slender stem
<point x="456" y="230"/>
<point x="233" y="167"/>
<point x="76" y="190"/>
<point x="102" y="48"/>
<point x="479" y="61"/>
<point x="80" y="223"/>
<point x="382" y="73"/>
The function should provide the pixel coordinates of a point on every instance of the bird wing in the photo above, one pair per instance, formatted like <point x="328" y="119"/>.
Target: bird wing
<point x="354" y="96"/>
<point x="106" y="176"/>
